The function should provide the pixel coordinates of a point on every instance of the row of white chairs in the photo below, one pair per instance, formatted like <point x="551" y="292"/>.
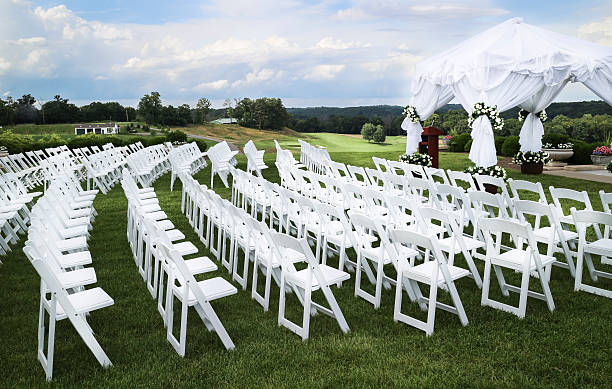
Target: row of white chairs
<point x="57" y="247"/>
<point x="221" y="158"/>
<point x="27" y="167"/>
<point x="187" y="157"/>
<point x="160" y="252"/>
<point x="487" y="201"/>
<point x="228" y="231"/>
<point x="15" y="206"/>
<point x="255" y="162"/>
<point x="150" y="163"/>
<point x="315" y="158"/>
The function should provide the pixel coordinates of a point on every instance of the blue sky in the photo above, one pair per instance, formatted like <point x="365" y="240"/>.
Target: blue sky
<point x="309" y="53"/>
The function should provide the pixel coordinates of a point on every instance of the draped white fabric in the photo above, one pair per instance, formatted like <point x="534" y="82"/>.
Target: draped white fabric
<point x="506" y="94"/>
<point x="426" y="98"/>
<point x="601" y="84"/>
<point x="532" y="131"/>
<point x="512" y="63"/>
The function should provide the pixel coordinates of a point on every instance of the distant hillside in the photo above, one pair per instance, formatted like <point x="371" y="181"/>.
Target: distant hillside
<point x="572" y="110"/>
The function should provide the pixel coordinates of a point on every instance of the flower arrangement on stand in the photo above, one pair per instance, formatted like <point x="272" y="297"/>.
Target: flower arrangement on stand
<point x="602" y="155"/>
<point x="522" y="115"/>
<point x="481" y="109"/>
<point x="416" y="159"/>
<point x="446" y="139"/>
<point x="558" y="152"/>
<point x="411" y="112"/>
<point x="531" y="162"/>
<point x="493" y="171"/>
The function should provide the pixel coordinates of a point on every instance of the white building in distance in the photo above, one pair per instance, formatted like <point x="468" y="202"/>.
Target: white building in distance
<point x="96" y="128"/>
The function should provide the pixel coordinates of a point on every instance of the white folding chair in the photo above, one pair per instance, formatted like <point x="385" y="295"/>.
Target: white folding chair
<point x="436" y="273"/>
<point x="192" y="293"/>
<point x="522" y="259"/>
<point x="602" y="246"/>
<point x="303" y="282"/>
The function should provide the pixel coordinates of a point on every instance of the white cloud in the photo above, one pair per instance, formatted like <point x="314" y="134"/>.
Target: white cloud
<point x="337" y="44"/>
<point x="598" y="32"/>
<point x="399" y="65"/>
<point x="256" y="77"/>
<point x="324" y="72"/>
<point x="4" y="65"/>
<point x="37" y="40"/>
<point x="366" y="9"/>
<point x="213" y="85"/>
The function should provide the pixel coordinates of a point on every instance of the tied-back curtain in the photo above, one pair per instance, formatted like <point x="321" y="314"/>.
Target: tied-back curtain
<point x="532" y="131"/>
<point x="426" y="98"/>
<point x="504" y="94"/>
<point x="601" y="84"/>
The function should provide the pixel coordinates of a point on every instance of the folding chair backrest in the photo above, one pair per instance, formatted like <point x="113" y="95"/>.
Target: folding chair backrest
<point x="381" y="164"/>
<point x="606" y="200"/>
<point x="575" y="197"/>
<point x="434" y="173"/>
<point x="358" y="174"/>
<point x="456" y="178"/>
<point x="527" y="186"/>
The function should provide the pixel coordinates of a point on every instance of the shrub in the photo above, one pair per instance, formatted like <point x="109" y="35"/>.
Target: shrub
<point x="201" y="144"/>
<point x="499" y="142"/>
<point x="51" y="140"/>
<point x="379" y="135"/>
<point x="16" y="143"/>
<point x="468" y="146"/>
<point x="510" y="146"/>
<point x="176" y="137"/>
<point x="582" y="153"/>
<point x="153" y="140"/>
<point x="115" y="140"/>
<point x="367" y="131"/>
<point x="555" y="139"/>
<point x="457" y="144"/>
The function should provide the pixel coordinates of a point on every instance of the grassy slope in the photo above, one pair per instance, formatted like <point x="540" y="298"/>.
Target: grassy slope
<point x="568" y="347"/>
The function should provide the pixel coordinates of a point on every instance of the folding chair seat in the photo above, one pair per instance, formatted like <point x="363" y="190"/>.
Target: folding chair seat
<point x="303" y="282"/>
<point x="436" y="273"/>
<point x="524" y="258"/>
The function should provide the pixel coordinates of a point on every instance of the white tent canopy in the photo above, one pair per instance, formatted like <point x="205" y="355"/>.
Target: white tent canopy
<point x="510" y="64"/>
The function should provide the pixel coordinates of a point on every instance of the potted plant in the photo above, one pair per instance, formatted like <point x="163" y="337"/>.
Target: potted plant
<point x="559" y="152"/>
<point x="494" y="171"/>
<point x="416" y="159"/>
<point x="602" y="155"/>
<point x="531" y="162"/>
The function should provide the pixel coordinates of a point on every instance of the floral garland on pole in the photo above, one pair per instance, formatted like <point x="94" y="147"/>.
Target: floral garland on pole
<point x="411" y="112"/>
<point x="522" y="115"/>
<point x="481" y="109"/>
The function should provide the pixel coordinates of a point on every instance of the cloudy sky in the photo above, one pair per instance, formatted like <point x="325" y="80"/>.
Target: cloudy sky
<point x="309" y="53"/>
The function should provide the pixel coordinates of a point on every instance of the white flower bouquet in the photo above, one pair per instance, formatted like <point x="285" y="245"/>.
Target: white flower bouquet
<point x="481" y="109"/>
<point x="559" y="146"/>
<point x="494" y="171"/>
<point x="522" y="115"/>
<point x="416" y="159"/>
<point x="531" y="157"/>
<point x="411" y="112"/>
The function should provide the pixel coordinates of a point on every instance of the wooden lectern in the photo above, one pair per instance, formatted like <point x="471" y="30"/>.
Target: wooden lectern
<point x="429" y="143"/>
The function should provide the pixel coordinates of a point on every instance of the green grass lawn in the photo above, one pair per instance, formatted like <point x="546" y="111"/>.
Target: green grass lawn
<point x="569" y="347"/>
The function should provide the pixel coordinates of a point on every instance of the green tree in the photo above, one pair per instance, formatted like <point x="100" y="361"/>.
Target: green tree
<point x="150" y="108"/>
<point x="202" y="109"/>
<point x="367" y="131"/>
<point x="379" y="134"/>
